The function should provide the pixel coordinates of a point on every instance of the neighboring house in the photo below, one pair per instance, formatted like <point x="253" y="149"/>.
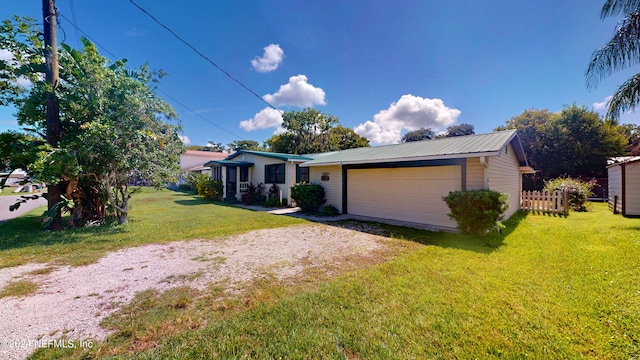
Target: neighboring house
<point x="407" y="182"/>
<point x="246" y="166"/>
<point x="624" y="185"/>
<point x="404" y="182"/>
<point x="193" y="161"/>
<point x="13" y="178"/>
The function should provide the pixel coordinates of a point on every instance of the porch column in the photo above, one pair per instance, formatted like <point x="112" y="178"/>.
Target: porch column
<point x="223" y="178"/>
<point x="238" y="195"/>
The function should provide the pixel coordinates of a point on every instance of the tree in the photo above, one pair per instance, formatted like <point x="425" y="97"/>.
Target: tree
<point x="244" y="145"/>
<point x="574" y="141"/>
<point x="621" y="52"/>
<point x="419" y="135"/>
<point x="531" y="126"/>
<point x="113" y="126"/>
<point x="310" y="131"/>
<point x="458" y="130"/>
<point x="215" y="147"/>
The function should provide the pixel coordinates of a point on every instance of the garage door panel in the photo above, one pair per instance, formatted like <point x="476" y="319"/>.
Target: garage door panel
<point x="405" y="194"/>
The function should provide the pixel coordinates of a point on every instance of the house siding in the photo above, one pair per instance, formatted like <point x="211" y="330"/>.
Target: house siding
<point x="632" y="189"/>
<point x="475" y="174"/>
<point x="332" y="187"/>
<point x="615" y="188"/>
<point x="504" y="176"/>
<point x="257" y="173"/>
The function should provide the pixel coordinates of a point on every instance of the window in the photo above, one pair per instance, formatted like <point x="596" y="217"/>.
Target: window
<point x="244" y="174"/>
<point x="217" y="173"/>
<point x="274" y="174"/>
<point x="302" y="174"/>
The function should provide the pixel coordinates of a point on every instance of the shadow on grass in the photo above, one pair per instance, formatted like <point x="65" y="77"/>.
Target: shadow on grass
<point x="27" y="231"/>
<point x="485" y="244"/>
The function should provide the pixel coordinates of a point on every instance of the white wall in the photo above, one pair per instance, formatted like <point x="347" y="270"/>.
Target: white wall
<point x="504" y="176"/>
<point x="632" y="189"/>
<point x="332" y="187"/>
<point x="615" y="187"/>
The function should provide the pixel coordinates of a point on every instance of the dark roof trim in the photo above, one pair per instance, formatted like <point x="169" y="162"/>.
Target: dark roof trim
<point x="279" y="156"/>
<point x="229" y="163"/>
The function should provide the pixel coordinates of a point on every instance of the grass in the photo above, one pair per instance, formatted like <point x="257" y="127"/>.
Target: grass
<point x="156" y="217"/>
<point x="19" y="288"/>
<point x="547" y="287"/>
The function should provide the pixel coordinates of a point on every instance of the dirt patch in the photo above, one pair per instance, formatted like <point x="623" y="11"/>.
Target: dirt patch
<point x="72" y="301"/>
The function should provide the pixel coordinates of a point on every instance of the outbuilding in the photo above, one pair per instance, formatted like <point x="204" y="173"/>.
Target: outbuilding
<point x="624" y="185"/>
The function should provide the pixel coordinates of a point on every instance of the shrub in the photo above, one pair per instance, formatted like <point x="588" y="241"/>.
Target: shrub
<point x="274" y="191"/>
<point x="254" y="194"/>
<point x="196" y="178"/>
<point x="578" y="191"/>
<point x="309" y="197"/>
<point x="272" y="202"/>
<point x="329" y="210"/>
<point x="477" y="211"/>
<point x="210" y="190"/>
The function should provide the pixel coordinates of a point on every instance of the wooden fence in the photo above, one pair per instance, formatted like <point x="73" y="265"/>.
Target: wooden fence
<point x="555" y="202"/>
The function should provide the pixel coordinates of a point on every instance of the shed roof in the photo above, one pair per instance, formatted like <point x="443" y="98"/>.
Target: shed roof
<point x="444" y="148"/>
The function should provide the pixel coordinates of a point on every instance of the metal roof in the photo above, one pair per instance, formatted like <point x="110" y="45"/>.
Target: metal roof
<point x="444" y="148"/>
<point x="228" y="163"/>
<point x="279" y="156"/>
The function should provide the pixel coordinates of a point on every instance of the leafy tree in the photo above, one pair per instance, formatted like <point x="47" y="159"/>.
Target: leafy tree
<point x="342" y="138"/>
<point x="310" y="131"/>
<point x="619" y="53"/>
<point x="215" y="147"/>
<point x="574" y="141"/>
<point x="244" y="145"/>
<point x="419" y="135"/>
<point x="458" y="130"/>
<point x="531" y="131"/>
<point x="113" y="126"/>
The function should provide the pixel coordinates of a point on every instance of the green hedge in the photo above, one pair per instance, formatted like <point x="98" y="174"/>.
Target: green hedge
<point x="308" y="197"/>
<point x="477" y="211"/>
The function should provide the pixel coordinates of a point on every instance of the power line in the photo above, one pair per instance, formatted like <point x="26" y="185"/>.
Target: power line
<point x="204" y="56"/>
<point x="167" y="95"/>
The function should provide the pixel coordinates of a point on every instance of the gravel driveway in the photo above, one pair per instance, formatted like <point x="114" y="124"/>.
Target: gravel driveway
<point x="74" y="300"/>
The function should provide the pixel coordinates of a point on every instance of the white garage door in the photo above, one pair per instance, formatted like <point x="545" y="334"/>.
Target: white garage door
<point x="406" y="194"/>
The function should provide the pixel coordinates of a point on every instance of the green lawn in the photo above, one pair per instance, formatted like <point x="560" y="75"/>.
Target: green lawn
<point x="548" y="287"/>
<point x="156" y="216"/>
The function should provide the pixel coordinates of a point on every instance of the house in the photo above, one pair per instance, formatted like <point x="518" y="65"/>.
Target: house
<point x="624" y="185"/>
<point x="404" y="182"/>
<point x="407" y="182"/>
<point x="193" y="161"/>
<point x="247" y="166"/>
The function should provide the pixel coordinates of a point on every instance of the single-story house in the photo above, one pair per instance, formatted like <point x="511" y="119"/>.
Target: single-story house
<point x="404" y="182"/>
<point x="407" y="182"/>
<point x="624" y="185"/>
<point x="247" y="166"/>
<point x="194" y="161"/>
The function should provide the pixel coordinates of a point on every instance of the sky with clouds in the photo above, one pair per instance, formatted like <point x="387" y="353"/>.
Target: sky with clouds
<point x="382" y="67"/>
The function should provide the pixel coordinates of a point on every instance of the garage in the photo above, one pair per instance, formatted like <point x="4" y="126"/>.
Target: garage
<point x="412" y="194"/>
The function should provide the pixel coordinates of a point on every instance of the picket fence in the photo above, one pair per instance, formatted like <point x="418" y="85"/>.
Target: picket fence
<point x="555" y="202"/>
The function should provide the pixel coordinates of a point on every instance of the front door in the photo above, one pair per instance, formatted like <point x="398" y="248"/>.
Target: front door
<point x="231" y="182"/>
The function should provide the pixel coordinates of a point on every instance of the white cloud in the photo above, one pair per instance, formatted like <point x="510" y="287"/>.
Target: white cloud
<point x="266" y="118"/>
<point x="297" y="92"/>
<point x="270" y="60"/>
<point x="185" y="139"/>
<point x="601" y="107"/>
<point x="409" y="112"/>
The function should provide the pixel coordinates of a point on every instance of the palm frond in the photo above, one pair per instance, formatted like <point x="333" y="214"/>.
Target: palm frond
<point x="620" y="52"/>
<point x="615" y="7"/>
<point x="627" y="97"/>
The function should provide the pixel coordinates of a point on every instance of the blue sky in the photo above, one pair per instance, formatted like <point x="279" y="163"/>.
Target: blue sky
<point x="382" y="67"/>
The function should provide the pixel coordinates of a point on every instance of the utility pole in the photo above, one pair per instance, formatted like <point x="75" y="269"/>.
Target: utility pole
<point x="52" y="113"/>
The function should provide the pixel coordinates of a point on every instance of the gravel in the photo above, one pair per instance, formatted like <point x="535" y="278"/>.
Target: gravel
<point x="72" y="301"/>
